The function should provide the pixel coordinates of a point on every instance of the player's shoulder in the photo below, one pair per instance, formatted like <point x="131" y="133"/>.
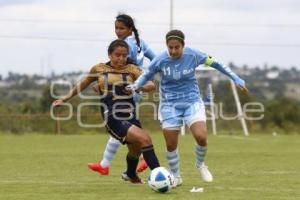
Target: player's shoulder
<point x="159" y="59"/>
<point x="163" y="56"/>
<point x="190" y="50"/>
<point x="100" y="67"/>
<point x="132" y="67"/>
<point x="130" y="40"/>
<point x="193" y="52"/>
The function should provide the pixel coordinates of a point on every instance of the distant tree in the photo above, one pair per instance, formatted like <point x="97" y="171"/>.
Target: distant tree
<point x="46" y="99"/>
<point x="266" y="67"/>
<point x="294" y="70"/>
<point x="53" y="75"/>
<point x="286" y="75"/>
<point x="274" y="68"/>
<point x="282" y="112"/>
<point x="28" y="107"/>
<point x="232" y="65"/>
<point x="37" y="77"/>
<point x="245" y="67"/>
<point x="223" y="93"/>
<point x="27" y="83"/>
<point x="13" y="76"/>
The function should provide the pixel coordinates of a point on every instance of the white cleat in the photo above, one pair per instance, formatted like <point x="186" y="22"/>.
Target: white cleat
<point x="205" y="173"/>
<point x="177" y="181"/>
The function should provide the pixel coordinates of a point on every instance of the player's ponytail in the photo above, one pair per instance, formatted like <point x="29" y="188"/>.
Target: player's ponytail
<point x="137" y="38"/>
<point x="128" y="22"/>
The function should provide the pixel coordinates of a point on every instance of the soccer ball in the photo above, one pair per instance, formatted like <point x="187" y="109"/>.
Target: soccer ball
<point x="160" y="180"/>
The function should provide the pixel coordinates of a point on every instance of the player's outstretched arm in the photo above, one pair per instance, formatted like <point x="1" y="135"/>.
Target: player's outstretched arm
<point x="73" y="92"/>
<point x="240" y="83"/>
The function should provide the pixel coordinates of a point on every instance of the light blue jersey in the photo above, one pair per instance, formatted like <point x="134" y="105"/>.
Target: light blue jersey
<point x="138" y="57"/>
<point x="134" y="55"/>
<point x="178" y="81"/>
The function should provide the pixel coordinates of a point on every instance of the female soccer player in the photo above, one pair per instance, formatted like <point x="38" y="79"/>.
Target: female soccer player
<point x="180" y="98"/>
<point x="118" y="107"/>
<point x="138" y="49"/>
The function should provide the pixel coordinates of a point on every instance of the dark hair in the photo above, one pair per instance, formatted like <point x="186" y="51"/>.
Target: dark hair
<point x="175" y="35"/>
<point x="117" y="43"/>
<point x="129" y="23"/>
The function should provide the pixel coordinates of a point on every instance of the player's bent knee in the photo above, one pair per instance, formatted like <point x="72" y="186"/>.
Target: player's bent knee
<point x="145" y="140"/>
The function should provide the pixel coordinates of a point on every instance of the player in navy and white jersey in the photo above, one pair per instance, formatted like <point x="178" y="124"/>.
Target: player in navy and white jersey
<point x="138" y="49"/>
<point x="118" y="107"/>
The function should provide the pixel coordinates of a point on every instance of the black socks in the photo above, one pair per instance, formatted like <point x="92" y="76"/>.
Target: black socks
<point x="150" y="157"/>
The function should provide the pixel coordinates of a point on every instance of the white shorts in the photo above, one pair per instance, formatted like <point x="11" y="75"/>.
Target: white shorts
<point x="172" y="116"/>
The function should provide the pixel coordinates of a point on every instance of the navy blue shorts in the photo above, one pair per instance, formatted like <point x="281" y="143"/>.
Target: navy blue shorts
<point x="118" y="128"/>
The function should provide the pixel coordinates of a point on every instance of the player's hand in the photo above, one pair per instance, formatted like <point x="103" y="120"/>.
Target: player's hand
<point x="240" y="83"/>
<point x="243" y="88"/>
<point x="58" y="102"/>
<point x="131" y="88"/>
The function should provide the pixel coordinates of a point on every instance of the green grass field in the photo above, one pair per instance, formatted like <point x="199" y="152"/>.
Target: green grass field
<point x="48" y="167"/>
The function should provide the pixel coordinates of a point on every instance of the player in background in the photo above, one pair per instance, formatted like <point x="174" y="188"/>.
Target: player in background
<point x="180" y="98"/>
<point x="118" y="107"/>
<point x="138" y="49"/>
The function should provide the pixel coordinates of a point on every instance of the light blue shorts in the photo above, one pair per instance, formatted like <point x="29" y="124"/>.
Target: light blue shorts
<point x="172" y="116"/>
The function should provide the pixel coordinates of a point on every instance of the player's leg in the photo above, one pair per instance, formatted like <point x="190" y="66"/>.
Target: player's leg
<point x="129" y="132"/>
<point x="120" y="129"/>
<point x="196" y="120"/>
<point x="132" y="159"/>
<point x="109" y="153"/>
<point x="171" y="121"/>
<point x="142" y="163"/>
<point x="199" y="132"/>
<point x="172" y="155"/>
<point x="138" y="136"/>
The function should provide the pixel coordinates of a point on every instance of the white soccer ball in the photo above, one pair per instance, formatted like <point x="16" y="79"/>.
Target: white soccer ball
<point x="160" y="180"/>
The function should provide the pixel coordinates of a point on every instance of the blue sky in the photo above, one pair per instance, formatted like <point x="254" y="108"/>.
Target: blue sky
<point x="41" y="36"/>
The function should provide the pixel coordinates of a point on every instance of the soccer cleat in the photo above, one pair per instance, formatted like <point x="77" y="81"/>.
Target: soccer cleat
<point x="142" y="166"/>
<point x="134" y="180"/>
<point x="205" y="173"/>
<point x="177" y="181"/>
<point x="98" y="168"/>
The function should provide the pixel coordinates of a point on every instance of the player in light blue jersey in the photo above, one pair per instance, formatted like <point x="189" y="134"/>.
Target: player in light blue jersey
<point x="124" y="26"/>
<point x="138" y="49"/>
<point x="180" y="98"/>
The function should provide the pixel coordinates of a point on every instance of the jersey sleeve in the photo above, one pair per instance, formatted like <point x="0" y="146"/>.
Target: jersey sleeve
<point x="200" y="57"/>
<point x="92" y="75"/>
<point x="136" y="71"/>
<point x="149" y="73"/>
<point x="210" y="61"/>
<point x="148" y="52"/>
